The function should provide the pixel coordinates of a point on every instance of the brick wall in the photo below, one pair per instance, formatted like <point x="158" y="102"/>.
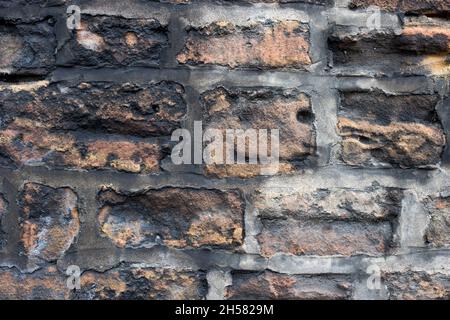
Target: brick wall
<point x="86" y="117"/>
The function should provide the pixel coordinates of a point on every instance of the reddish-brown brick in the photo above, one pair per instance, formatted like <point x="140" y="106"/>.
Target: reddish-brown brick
<point x="270" y="285"/>
<point x="135" y="109"/>
<point x="143" y="283"/>
<point x="379" y="129"/>
<point x="328" y="221"/>
<point x="412" y="285"/>
<point x="272" y="44"/>
<point x="50" y="220"/>
<point x="106" y="41"/>
<point x="176" y="217"/>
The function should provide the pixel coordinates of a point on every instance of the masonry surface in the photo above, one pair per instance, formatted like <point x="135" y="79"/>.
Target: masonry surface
<point x="86" y="178"/>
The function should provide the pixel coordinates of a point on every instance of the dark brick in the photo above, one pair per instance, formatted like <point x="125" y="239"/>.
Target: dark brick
<point x="176" y="217"/>
<point x="3" y="212"/>
<point x="27" y="48"/>
<point x="50" y="220"/>
<point x="437" y="233"/>
<point x="429" y="7"/>
<point x="333" y="221"/>
<point x="142" y="110"/>
<point x="269" y="285"/>
<point x="379" y="129"/>
<point x="115" y="41"/>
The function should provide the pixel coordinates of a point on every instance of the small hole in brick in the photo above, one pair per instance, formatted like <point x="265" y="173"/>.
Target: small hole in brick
<point x="155" y="109"/>
<point x="304" y="116"/>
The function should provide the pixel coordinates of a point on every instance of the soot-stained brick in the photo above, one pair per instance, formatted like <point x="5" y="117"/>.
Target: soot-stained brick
<point x="175" y="217"/>
<point x="49" y="220"/>
<point x="379" y="129"/>
<point x="115" y="41"/>
<point x="267" y="285"/>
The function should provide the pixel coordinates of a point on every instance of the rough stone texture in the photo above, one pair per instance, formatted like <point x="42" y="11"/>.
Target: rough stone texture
<point x="272" y="44"/>
<point x="417" y="286"/>
<point x="379" y="129"/>
<point x="438" y="231"/>
<point x="114" y="41"/>
<point x="26" y="48"/>
<point x="25" y="143"/>
<point x="143" y="284"/>
<point x="327" y="221"/>
<point x="50" y="220"/>
<point x="3" y="212"/>
<point x="419" y="49"/>
<point x="270" y="285"/>
<point x="129" y="109"/>
<point x="429" y="7"/>
<point x="175" y="217"/>
<point x="41" y="3"/>
<point x="261" y="108"/>
<point x="45" y="284"/>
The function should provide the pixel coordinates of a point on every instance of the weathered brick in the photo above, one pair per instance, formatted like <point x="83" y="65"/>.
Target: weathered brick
<point x="143" y="283"/>
<point x="135" y="109"/>
<point x="270" y="285"/>
<point x="429" y="7"/>
<point x="50" y="220"/>
<point x="379" y="129"/>
<point x="3" y="207"/>
<point x="23" y="143"/>
<point x="43" y="284"/>
<point x="420" y="49"/>
<point x="27" y="48"/>
<point x="333" y="221"/>
<point x="176" y="217"/>
<point x="412" y="285"/>
<point x="437" y="233"/>
<point x="269" y="44"/>
<point x="115" y="41"/>
<point x="20" y="3"/>
<point x="289" y="111"/>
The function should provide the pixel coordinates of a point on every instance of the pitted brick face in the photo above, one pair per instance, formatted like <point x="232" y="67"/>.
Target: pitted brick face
<point x="129" y="109"/>
<point x="327" y="221"/>
<point x="143" y="284"/>
<point x="270" y="285"/>
<point x="379" y="129"/>
<point x="114" y="41"/>
<point x="268" y="45"/>
<point x="27" y="48"/>
<point x="3" y="213"/>
<point x="410" y="285"/>
<point x="50" y="220"/>
<point x="175" y="217"/>
<point x="438" y="230"/>
<point x="429" y="7"/>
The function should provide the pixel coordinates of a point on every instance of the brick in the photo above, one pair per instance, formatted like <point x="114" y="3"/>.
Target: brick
<point x="115" y="41"/>
<point x="143" y="284"/>
<point x="269" y="44"/>
<point x="429" y="7"/>
<point x="379" y="129"/>
<point x="44" y="284"/>
<point x="269" y="285"/>
<point x="50" y="220"/>
<point x="420" y="49"/>
<point x="23" y="143"/>
<point x="334" y="221"/>
<point x="130" y="109"/>
<point x="289" y="111"/>
<point x="27" y="49"/>
<point x="3" y="207"/>
<point x="175" y="217"/>
<point x="20" y="3"/>
<point x="412" y="285"/>
<point x="437" y="233"/>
